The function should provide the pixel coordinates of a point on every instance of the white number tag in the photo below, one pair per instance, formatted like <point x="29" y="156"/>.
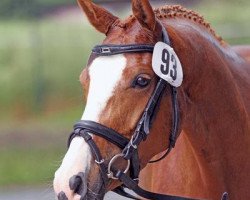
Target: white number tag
<point x="166" y="64"/>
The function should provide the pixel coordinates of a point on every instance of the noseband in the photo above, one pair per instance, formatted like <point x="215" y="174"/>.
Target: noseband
<point x="85" y="128"/>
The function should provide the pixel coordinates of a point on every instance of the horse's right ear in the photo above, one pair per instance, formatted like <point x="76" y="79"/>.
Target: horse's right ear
<point x="144" y="14"/>
<point x="100" y="18"/>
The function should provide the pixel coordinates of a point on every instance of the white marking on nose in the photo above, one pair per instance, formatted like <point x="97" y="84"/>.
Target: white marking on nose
<point x="77" y="159"/>
<point x="105" y="73"/>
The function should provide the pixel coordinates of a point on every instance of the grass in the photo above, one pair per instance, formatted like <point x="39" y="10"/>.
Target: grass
<point x="224" y="12"/>
<point x="29" y="166"/>
<point x="40" y="62"/>
<point x="230" y="19"/>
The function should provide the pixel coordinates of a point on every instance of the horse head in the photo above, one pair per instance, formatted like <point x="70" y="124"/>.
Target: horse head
<point x="117" y="89"/>
<point x="133" y="111"/>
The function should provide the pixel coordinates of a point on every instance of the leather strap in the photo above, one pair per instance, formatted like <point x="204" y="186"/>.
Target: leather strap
<point x="94" y="149"/>
<point x="121" y="191"/>
<point x="104" y="132"/>
<point x="176" y="117"/>
<point x="143" y="127"/>
<point x="175" y="123"/>
<point x="165" y="37"/>
<point x="84" y="128"/>
<point x="107" y="50"/>
<point x="132" y="185"/>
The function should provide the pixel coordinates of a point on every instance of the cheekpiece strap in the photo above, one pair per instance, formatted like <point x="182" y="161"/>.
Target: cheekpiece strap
<point x="165" y="37"/>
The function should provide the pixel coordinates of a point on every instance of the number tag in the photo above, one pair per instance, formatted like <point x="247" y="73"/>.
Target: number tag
<point x="166" y="64"/>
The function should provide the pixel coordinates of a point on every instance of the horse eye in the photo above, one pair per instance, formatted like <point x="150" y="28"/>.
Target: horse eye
<point x="141" y="82"/>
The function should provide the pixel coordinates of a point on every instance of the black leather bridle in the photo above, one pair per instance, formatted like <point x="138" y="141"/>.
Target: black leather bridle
<point x="129" y="147"/>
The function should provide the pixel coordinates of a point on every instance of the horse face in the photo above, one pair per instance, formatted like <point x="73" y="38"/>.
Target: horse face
<point x="117" y="89"/>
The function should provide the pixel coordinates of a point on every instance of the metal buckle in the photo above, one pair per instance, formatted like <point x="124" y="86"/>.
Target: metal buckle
<point x="105" y="50"/>
<point x="99" y="162"/>
<point x="131" y="142"/>
<point x="129" y="148"/>
<point x="133" y="145"/>
<point x="110" y="173"/>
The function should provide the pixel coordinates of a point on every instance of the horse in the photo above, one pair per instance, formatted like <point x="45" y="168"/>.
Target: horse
<point x="213" y="127"/>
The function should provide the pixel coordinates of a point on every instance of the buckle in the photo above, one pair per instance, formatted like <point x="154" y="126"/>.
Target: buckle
<point x="100" y="162"/>
<point x="132" y="144"/>
<point x="105" y="50"/>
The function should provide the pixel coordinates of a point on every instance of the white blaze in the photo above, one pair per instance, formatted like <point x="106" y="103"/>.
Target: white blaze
<point x="72" y="164"/>
<point x="105" y="73"/>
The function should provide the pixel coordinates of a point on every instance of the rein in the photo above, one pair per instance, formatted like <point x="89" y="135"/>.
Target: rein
<point x="85" y="128"/>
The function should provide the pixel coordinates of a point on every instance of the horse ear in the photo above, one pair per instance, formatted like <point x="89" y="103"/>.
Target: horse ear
<point x="144" y="14"/>
<point x="100" y="18"/>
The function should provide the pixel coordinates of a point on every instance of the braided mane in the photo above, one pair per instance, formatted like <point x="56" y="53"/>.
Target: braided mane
<point x="176" y="11"/>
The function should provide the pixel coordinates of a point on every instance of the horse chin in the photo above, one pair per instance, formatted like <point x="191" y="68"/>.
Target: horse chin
<point x="91" y="195"/>
<point x="96" y="190"/>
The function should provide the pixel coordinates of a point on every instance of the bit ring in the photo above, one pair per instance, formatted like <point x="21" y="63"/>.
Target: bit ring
<point x="110" y="173"/>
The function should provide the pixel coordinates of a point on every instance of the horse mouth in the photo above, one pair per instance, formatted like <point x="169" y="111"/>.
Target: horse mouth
<point x="95" y="190"/>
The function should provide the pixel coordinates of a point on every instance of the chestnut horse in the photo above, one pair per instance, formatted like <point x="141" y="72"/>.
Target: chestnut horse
<point x="177" y="165"/>
<point x="212" y="152"/>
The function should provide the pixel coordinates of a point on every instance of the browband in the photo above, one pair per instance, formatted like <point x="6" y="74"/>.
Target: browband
<point x="112" y="49"/>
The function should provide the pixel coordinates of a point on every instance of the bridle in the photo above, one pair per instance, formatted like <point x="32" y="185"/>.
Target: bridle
<point x="85" y="128"/>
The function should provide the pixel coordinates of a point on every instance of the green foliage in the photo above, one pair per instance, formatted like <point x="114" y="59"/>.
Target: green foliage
<point x="230" y="20"/>
<point x="40" y="63"/>
<point x="219" y="12"/>
<point x="28" y="166"/>
<point x="30" y="8"/>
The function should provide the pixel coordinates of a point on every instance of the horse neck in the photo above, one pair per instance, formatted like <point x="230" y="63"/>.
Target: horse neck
<point x="215" y="119"/>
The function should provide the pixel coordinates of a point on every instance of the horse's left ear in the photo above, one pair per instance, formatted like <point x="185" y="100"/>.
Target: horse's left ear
<point x="144" y="14"/>
<point x="100" y="18"/>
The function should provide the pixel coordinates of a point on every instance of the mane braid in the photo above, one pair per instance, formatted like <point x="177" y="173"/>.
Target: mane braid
<point x="176" y="11"/>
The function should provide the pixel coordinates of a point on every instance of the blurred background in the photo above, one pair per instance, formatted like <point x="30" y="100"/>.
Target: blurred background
<point x="44" y="45"/>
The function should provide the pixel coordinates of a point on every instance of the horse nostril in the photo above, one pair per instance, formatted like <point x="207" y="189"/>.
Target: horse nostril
<point x="62" y="196"/>
<point x="76" y="183"/>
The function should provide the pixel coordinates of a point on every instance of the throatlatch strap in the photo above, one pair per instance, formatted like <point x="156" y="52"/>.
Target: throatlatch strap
<point x="175" y="123"/>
